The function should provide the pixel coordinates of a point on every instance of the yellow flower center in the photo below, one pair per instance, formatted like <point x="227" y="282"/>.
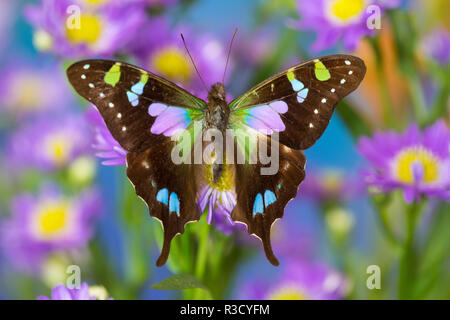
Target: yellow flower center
<point x="52" y="219"/>
<point x="405" y="160"/>
<point x="89" y="30"/>
<point x="225" y="181"/>
<point x="28" y="92"/>
<point x="173" y="64"/>
<point x="332" y="182"/>
<point x="98" y="292"/>
<point x="42" y="40"/>
<point x="287" y="293"/>
<point x="345" y="11"/>
<point x="58" y="149"/>
<point x="95" y="2"/>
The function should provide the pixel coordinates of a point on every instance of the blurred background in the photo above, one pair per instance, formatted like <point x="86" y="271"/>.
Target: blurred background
<point x="378" y="180"/>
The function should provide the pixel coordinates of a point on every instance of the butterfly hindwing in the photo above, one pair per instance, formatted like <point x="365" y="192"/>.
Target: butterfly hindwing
<point x="170" y="190"/>
<point x="261" y="198"/>
<point x="142" y="111"/>
<point x="299" y="101"/>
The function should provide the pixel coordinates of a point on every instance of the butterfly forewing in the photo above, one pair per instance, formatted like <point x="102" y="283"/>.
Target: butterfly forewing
<point x="309" y="91"/>
<point x="123" y="93"/>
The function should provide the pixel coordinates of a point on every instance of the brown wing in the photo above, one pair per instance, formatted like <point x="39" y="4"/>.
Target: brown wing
<point x="252" y="187"/>
<point x="152" y="171"/>
<point x="122" y="94"/>
<point x="321" y="84"/>
<point x="109" y="85"/>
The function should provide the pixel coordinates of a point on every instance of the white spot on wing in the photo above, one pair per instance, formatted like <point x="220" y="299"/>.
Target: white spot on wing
<point x="102" y="95"/>
<point x="324" y="100"/>
<point x="86" y="66"/>
<point x="333" y="90"/>
<point x="91" y="85"/>
<point x="111" y="105"/>
<point x="124" y="128"/>
<point x="316" y="111"/>
<point x="347" y="62"/>
<point x="350" y="72"/>
<point x="311" y="125"/>
<point x="119" y="115"/>
<point x="83" y="76"/>
<point x="342" y="81"/>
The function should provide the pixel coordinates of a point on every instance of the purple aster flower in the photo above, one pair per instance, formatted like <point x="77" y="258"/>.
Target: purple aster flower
<point x="437" y="46"/>
<point x="163" y="53"/>
<point x="49" y="143"/>
<point x="338" y="19"/>
<point x="330" y="185"/>
<point x="61" y="292"/>
<point x="220" y="204"/>
<point x="25" y="89"/>
<point x="417" y="162"/>
<point x="82" y="28"/>
<point x="46" y="223"/>
<point x="104" y="143"/>
<point x="299" y="280"/>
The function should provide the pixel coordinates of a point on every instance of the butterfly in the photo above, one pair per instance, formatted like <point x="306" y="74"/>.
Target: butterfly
<point x="144" y="112"/>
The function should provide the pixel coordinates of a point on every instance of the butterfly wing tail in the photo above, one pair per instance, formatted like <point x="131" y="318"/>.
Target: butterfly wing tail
<point x="264" y="232"/>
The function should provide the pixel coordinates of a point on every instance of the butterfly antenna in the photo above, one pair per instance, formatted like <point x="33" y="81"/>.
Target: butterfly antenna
<point x="228" y="56"/>
<point x="193" y="63"/>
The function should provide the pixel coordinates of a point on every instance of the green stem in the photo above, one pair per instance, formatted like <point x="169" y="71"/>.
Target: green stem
<point x="407" y="267"/>
<point x="440" y="105"/>
<point x="417" y="97"/>
<point x="202" y="253"/>
<point x="381" y="203"/>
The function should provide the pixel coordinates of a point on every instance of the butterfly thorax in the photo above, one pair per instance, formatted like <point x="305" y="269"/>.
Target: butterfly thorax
<point x="217" y="109"/>
<point x="216" y="117"/>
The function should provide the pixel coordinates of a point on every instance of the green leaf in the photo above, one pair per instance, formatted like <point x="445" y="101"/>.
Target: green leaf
<point x="179" y="282"/>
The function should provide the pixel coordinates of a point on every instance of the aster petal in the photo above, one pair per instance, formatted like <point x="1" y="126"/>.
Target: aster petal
<point x="60" y="292"/>
<point x="212" y="204"/>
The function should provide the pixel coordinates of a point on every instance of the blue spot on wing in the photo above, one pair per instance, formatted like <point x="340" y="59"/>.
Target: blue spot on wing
<point x="258" y="206"/>
<point x="133" y="98"/>
<point x="301" y="96"/>
<point x="269" y="198"/>
<point x="297" y="85"/>
<point x="174" y="203"/>
<point x="163" y="196"/>
<point x="138" y="88"/>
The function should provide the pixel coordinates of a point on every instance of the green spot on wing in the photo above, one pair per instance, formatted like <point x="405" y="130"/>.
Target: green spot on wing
<point x="113" y="75"/>
<point x="144" y="78"/>
<point x="322" y="73"/>
<point x="290" y="76"/>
